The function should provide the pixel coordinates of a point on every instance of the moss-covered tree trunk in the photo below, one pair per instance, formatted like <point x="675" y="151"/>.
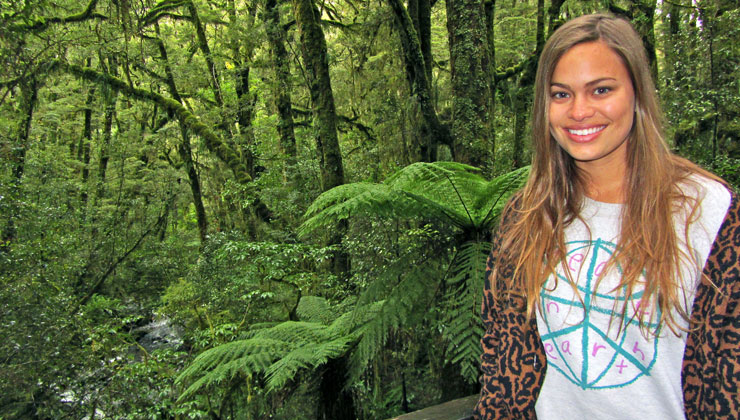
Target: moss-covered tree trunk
<point x="432" y="129"/>
<point x="83" y="150"/>
<point x="420" y="12"/>
<point x="489" y="7"/>
<point x="281" y="86"/>
<point x="642" y="15"/>
<point x="110" y="99"/>
<point x="241" y="54"/>
<point x="313" y="50"/>
<point x="670" y="43"/>
<point x="314" y="53"/>
<point x="524" y="89"/>
<point x="246" y="101"/>
<point x="200" y="32"/>
<point x="471" y="81"/>
<point x="644" y="20"/>
<point x="26" y="103"/>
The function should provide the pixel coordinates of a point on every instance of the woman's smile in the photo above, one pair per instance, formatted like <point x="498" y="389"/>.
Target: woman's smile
<point x="582" y="135"/>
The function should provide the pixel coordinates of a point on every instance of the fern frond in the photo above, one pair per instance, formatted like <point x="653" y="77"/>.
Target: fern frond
<point x="448" y="189"/>
<point x="351" y="322"/>
<point x="278" y="352"/>
<point x="296" y="332"/>
<point x="412" y="297"/>
<point x="358" y="199"/>
<point x="449" y="192"/>
<point x="305" y="357"/>
<point x="497" y="192"/>
<point x="463" y="325"/>
<point x="315" y="309"/>
<point x="225" y="361"/>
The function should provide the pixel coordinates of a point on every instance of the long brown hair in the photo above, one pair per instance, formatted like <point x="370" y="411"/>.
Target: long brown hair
<point x="554" y="192"/>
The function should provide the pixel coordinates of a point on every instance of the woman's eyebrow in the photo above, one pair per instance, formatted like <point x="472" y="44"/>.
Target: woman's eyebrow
<point x="591" y="83"/>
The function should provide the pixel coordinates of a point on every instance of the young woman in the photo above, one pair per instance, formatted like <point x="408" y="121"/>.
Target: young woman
<point x="613" y="286"/>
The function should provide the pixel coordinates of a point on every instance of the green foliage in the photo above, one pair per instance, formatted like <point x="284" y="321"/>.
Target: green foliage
<point x="449" y="194"/>
<point x="463" y="324"/>
<point x="405" y="305"/>
<point x="276" y="352"/>
<point x="239" y="282"/>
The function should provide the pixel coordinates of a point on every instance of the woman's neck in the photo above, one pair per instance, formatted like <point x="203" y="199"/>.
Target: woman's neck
<point x="606" y="185"/>
<point x="606" y="194"/>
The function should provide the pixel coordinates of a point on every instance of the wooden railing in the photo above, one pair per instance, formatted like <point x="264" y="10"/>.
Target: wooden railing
<point x="460" y="409"/>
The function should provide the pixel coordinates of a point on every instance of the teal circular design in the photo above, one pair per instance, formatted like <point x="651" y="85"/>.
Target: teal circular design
<point x="593" y="337"/>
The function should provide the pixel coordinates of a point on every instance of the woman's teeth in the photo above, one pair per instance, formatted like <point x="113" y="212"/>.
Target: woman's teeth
<point x="586" y="131"/>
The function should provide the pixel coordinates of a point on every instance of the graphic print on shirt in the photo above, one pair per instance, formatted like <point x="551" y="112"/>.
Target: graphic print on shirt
<point x="587" y="339"/>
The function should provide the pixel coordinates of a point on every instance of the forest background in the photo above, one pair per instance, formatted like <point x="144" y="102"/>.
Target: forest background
<point x="300" y="193"/>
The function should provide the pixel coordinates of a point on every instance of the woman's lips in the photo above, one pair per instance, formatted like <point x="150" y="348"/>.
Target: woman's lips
<point x="584" y="134"/>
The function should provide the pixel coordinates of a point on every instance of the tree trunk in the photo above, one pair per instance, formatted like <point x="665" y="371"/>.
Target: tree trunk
<point x="313" y="49"/>
<point x="525" y="84"/>
<point x="186" y="154"/>
<point x="281" y="86"/>
<point x="110" y="98"/>
<point x="184" y="149"/>
<point x="335" y="403"/>
<point x="420" y="12"/>
<point x="669" y="46"/>
<point x="207" y="55"/>
<point x="554" y="15"/>
<point x="432" y="129"/>
<point x="471" y="81"/>
<point x="83" y="151"/>
<point x="643" y="17"/>
<point x="489" y="7"/>
<point x="245" y="99"/>
<point x="27" y="102"/>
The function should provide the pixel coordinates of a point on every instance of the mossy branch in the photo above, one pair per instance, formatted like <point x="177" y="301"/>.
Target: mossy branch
<point x="212" y="141"/>
<point x="505" y="73"/>
<point x="43" y="23"/>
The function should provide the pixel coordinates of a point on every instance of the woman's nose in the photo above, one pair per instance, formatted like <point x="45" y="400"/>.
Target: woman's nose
<point x="580" y="108"/>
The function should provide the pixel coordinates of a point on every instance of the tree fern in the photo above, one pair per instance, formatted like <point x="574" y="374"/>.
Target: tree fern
<point x="451" y="194"/>
<point x="448" y="192"/>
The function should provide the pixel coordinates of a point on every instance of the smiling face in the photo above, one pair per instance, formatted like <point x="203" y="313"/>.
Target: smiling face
<point x="591" y="110"/>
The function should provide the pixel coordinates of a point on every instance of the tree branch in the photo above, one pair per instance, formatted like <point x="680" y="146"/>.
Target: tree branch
<point x="613" y="8"/>
<point x="679" y="5"/>
<point x="43" y="23"/>
<point x="502" y="73"/>
<point x="212" y="141"/>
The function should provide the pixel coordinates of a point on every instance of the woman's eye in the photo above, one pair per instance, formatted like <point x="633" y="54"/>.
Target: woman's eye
<point x="602" y="90"/>
<point x="559" y="95"/>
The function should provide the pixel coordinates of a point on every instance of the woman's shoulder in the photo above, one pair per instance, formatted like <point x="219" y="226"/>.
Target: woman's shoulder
<point x="710" y="192"/>
<point x="708" y="203"/>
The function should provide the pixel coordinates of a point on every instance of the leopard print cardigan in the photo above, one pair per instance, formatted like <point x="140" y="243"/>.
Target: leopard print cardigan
<point x="513" y="362"/>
